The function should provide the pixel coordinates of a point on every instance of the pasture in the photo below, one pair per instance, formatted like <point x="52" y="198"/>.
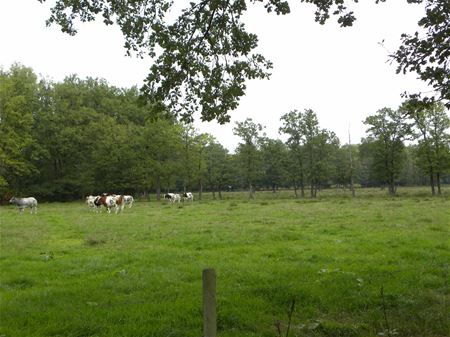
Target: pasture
<point x="66" y="271"/>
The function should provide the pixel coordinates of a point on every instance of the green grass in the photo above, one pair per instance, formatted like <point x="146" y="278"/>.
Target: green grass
<point x="69" y="272"/>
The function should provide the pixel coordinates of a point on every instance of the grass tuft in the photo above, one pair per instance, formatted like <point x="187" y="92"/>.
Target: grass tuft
<point x="94" y="241"/>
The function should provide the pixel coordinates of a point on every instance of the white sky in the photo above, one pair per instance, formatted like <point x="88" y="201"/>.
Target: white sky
<point x="340" y="73"/>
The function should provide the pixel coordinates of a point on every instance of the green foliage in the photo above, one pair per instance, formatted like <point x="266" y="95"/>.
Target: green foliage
<point x="433" y="150"/>
<point x="313" y="148"/>
<point x="203" y="57"/>
<point x="247" y="153"/>
<point x="387" y="131"/>
<point x="274" y="153"/>
<point x="426" y="52"/>
<point x="18" y="148"/>
<point x="63" y="141"/>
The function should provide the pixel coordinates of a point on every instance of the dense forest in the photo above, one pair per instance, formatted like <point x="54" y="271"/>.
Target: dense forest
<point x="62" y="141"/>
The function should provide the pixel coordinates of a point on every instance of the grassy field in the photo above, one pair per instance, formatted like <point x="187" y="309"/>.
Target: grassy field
<point x="69" y="272"/>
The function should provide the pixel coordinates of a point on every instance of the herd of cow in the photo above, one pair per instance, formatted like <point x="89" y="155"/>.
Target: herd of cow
<point x="109" y="201"/>
<point x="175" y="197"/>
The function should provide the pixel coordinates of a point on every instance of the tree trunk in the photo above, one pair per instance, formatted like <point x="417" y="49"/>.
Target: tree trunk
<point x="158" y="188"/>
<point x="391" y="185"/>
<point x="220" y="194"/>
<point x="438" y="182"/>
<point x="295" y="191"/>
<point x="433" y="191"/>
<point x="251" y="196"/>
<point x="200" y="190"/>
<point x="430" y="166"/>
<point x="352" y="188"/>
<point x="214" y="194"/>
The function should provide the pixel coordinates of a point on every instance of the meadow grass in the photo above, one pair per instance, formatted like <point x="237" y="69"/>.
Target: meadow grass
<point x="70" y="272"/>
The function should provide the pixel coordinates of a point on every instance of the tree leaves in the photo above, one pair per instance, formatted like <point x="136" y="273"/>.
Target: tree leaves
<point x="428" y="53"/>
<point x="203" y="58"/>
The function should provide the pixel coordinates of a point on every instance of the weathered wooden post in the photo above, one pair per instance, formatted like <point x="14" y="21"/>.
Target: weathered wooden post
<point x="209" y="303"/>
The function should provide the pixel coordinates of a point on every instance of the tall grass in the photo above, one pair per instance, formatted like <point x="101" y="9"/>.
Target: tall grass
<point x="69" y="272"/>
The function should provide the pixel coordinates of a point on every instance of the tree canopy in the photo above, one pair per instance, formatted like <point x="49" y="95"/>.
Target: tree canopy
<point x="64" y="140"/>
<point x="204" y="57"/>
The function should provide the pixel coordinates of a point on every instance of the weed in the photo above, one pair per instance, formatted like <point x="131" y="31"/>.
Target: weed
<point x="94" y="241"/>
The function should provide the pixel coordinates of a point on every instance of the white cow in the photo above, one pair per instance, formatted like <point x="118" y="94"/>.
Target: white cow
<point x="176" y="198"/>
<point x="22" y="203"/>
<point x="90" y="201"/>
<point x="128" y="200"/>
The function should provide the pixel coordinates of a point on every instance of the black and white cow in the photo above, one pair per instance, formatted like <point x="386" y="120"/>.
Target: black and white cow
<point x="22" y="203"/>
<point x="188" y="196"/>
<point x="172" y="197"/>
<point x="169" y="196"/>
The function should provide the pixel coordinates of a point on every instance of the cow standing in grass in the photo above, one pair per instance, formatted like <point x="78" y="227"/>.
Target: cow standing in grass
<point x="188" y="196"/>
<point x="128" y="200"/>
<point x="120" y="202"/>
<point x="172" y="197"/>
<point x="108" y="201"/>
<point x="22" y="203"/>
<point x="90" y="201"/>
<point x="169" y="196"/>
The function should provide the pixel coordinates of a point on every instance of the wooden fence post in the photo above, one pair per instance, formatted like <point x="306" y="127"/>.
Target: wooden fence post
<point x="209" y="303"/>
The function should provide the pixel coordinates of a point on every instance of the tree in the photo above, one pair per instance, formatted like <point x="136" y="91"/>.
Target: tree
<point x="431" y="122"/>
<point x="218" y="167"/>
<point x="18" y="148"/>
<point x="319" y="146"/>
<point x="427" y="53"/>
<point x="292" y="126"/>
<point x="248" y="152"/>
<point x="201" y="142"/>
<point x="203" y="59"/>
<point x="386" y="132"/>
<point x="347" y="166"/>
<point x="161" y="146"/>
<point x="274" y="153"/>
<point x="189" y="162"/>
<point x="412" y="174"/>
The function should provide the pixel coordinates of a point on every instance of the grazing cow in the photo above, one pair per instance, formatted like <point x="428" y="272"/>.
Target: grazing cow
<point x="120" y="202"/>
<point x="169" y="196"/>
<point x="22" y="203"/>
<point x="176" y="198"/>
<point x="172" y="197"/>
<point x="108" y="201"/>
<point x="188" y="196"/>
<point x="90" y="201"/>
<point x="128" y="200"/>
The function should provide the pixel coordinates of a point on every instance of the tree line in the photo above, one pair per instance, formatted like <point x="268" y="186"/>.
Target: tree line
<point x="65" y="140"/>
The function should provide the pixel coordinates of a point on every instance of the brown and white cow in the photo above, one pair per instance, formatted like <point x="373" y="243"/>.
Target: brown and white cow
<point x="108" y="201"/>
<point x="120" y="202"/>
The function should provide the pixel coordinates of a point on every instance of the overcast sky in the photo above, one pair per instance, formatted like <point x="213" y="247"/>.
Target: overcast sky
<point x="340" y="73"/>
